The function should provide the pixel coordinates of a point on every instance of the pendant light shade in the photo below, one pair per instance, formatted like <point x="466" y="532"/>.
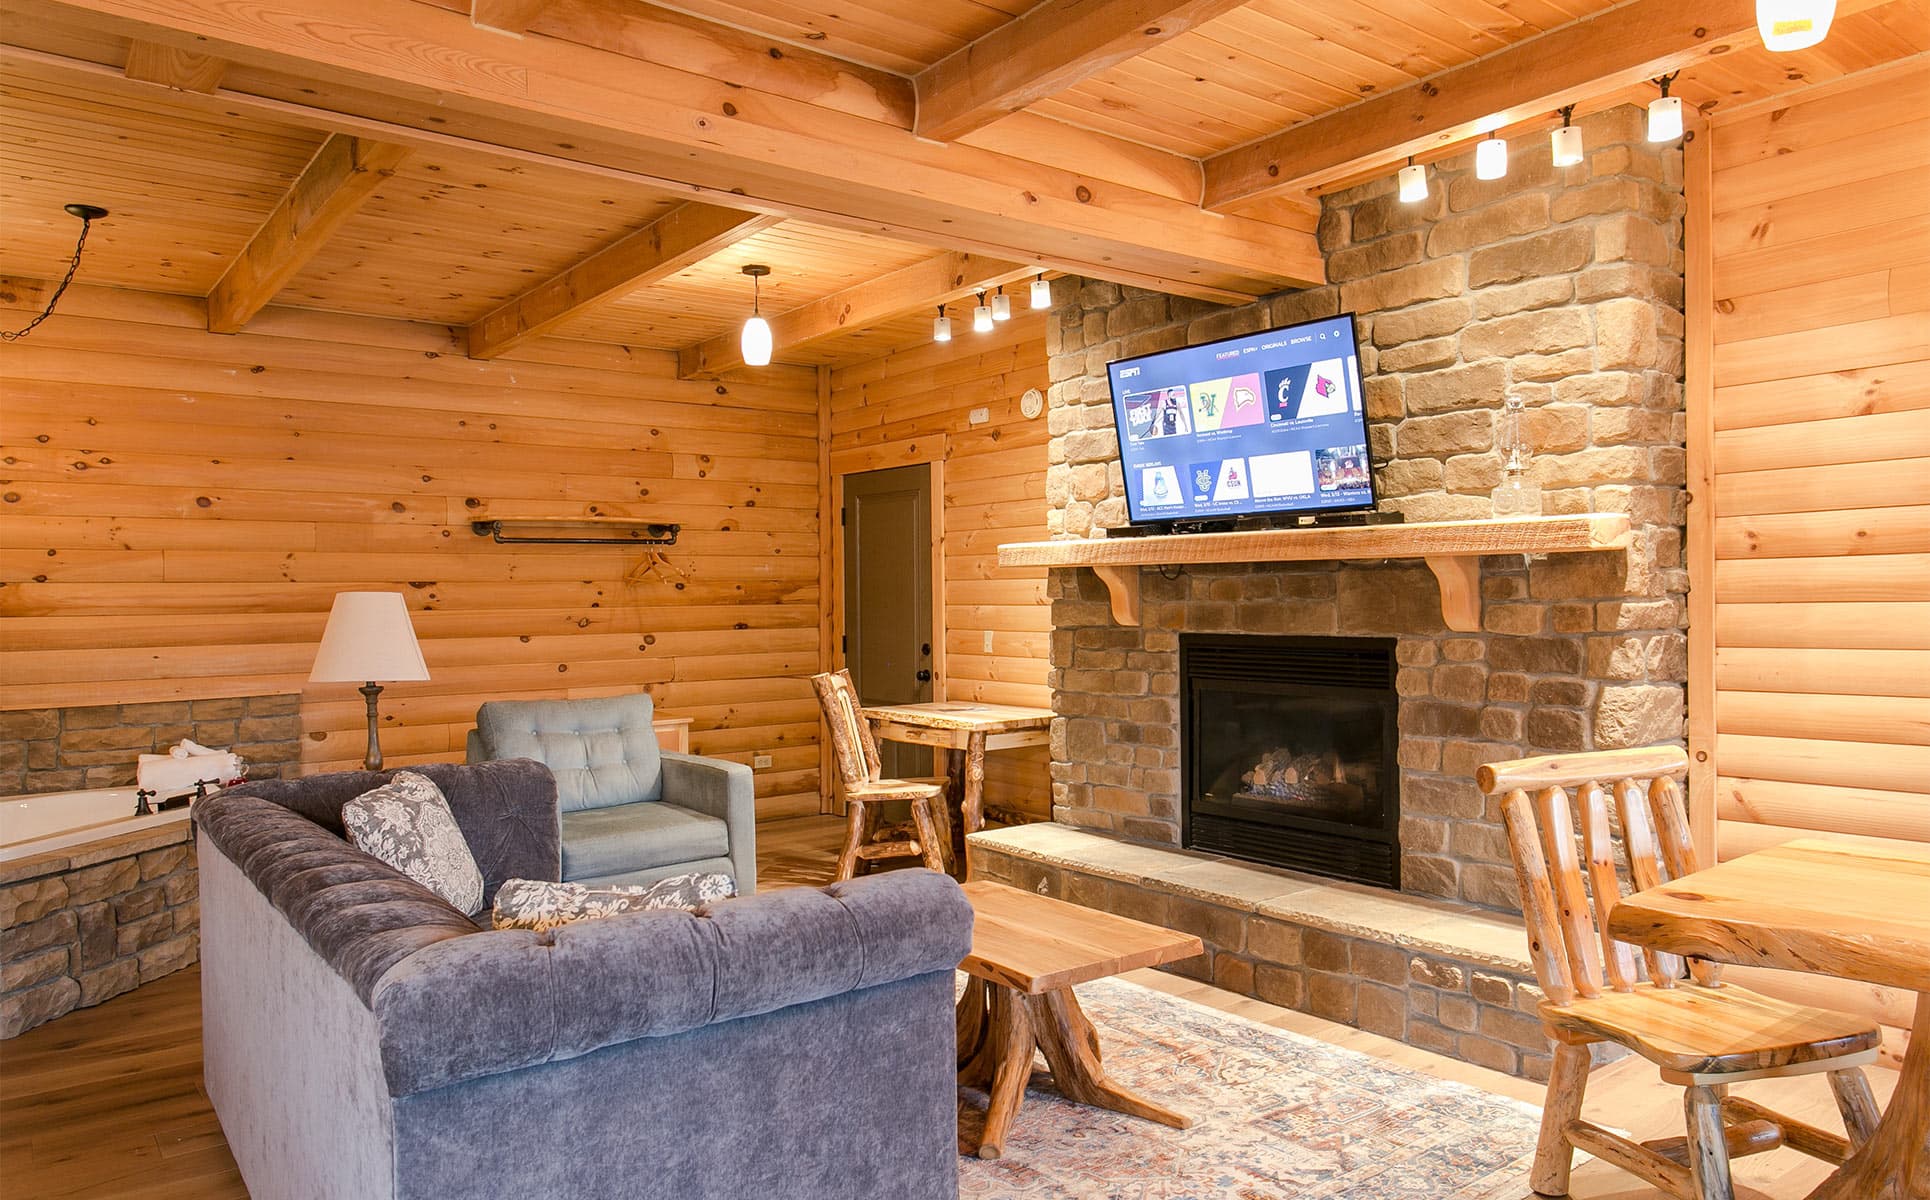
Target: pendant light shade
<point x="756" y="341"/>
<point x="1665" y="113"/>
<point x="941" y="326"/>
<point x="1793" y="24"/>
<point x="1565" y="144"/>
<point x="982" y="316"/>
<point x="1413" y="182"/>
<point x="1001" y="306"/>
<point x="1041" y="293"/>
<point x="1491" y="159"/>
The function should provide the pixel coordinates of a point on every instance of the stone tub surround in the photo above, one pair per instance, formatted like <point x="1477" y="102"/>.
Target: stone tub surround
<point x="97" y="746"/>
<point x="1561" y="285"/>
<point x="1443" y="976"/>
<point x="82" y="925"/>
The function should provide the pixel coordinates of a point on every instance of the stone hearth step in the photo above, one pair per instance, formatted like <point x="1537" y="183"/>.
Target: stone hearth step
<point x="1443" y="976"/>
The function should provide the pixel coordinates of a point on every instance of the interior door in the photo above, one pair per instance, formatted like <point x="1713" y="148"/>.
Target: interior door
<point x="887" y="596"/>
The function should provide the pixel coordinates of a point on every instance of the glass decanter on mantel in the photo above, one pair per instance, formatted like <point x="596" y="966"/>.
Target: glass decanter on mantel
<point x="1517" y="495"/>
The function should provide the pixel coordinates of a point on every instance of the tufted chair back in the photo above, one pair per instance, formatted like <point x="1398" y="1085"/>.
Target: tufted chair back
<point x="602" y="751"/>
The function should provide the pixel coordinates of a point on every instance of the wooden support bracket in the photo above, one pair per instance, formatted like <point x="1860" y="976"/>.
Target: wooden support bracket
<point x="1122" y="584"/>
<point x="1460" y="580"/>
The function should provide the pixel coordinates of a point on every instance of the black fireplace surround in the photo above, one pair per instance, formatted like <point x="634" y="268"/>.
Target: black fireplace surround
<point x="1288" y="748"/>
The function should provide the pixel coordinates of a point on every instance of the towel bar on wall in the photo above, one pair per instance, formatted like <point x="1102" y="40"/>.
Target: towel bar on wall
<point x="642" y="533"/>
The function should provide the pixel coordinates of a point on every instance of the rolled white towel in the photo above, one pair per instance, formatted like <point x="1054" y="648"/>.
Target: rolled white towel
<point x="167" y="775"/>
<point x="186" y="748"/>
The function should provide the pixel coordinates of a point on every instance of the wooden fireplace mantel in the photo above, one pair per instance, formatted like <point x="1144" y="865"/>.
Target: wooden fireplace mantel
<point x="1451" y="549"/>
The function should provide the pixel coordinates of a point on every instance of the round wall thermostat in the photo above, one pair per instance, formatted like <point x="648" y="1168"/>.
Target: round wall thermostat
<point x="1032" y="403"/>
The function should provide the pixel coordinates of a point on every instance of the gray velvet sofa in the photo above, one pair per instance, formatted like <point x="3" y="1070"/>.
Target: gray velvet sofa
<point x="631" y="812"/>
<point x="365" y="1040"/>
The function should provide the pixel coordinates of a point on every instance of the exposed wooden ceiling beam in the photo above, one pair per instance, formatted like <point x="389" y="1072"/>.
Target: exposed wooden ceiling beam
<point x="720" y="134"/>
<point x="685" y="235"/>
<point x="181" y="69"/>
<point x="506" y="16"/>
<point x="334" y="184"/>
<point x="938" y="280"/>
<point x="1048" y="50"/>
<point x="1613" y="49"/>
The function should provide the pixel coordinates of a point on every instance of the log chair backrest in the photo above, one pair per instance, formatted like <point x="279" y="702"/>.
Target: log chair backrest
<point x="851" y="741"/>
<point x="1571" y="947"/>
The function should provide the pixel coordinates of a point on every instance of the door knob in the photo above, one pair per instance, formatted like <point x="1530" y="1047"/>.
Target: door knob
<point x="924" y="676"/>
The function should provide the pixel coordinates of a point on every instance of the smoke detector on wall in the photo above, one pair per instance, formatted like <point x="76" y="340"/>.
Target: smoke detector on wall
<point x="1031" y="404"/>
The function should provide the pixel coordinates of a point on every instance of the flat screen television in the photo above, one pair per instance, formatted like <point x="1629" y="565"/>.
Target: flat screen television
<point x="1263" y="424"/>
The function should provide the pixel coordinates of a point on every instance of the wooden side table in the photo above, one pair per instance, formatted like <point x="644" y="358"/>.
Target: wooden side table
<point x="1027" y="952"/>
<point x="966" y="731"/>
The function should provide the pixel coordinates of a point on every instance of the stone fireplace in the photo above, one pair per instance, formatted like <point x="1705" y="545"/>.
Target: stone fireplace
<point x="1288" y="746"/>
<point x="1560" y="285"/>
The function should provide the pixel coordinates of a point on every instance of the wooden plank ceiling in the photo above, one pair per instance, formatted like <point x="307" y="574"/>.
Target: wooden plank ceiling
<point x="1083" y="136"/>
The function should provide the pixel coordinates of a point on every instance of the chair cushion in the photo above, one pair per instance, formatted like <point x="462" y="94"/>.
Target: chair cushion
<point x="634" y="837"/>
<point x="602" y="752"/>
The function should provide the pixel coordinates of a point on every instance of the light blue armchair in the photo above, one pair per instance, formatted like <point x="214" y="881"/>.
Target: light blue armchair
<point x="631" y="813"/>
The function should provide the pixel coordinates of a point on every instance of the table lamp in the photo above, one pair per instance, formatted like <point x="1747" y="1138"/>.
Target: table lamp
<point x="369" y="638"/>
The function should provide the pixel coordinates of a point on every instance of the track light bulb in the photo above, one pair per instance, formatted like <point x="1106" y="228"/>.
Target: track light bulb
<point x="1413" y="183"/>
<point x="941" y="326"/>
<point x="1041" y="293"/>
<point x="982" y="316"/>
<point x="1793" y="24"/>
<point x="1001" y="306"/>
<point x="1565" y="144"/>
<point x="1665" y="118"/>
<point x="1491" y="159"/>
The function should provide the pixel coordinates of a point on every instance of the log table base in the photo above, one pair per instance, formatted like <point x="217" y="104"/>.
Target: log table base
<point x="1895" y="1163"/>
<point x="998" y="1032"/>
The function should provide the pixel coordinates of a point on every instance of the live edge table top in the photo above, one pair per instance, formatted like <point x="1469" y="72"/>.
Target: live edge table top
<point x="1034" y="944"/>
<point x="1852" y="908"/>
<point x="963" y="716"/>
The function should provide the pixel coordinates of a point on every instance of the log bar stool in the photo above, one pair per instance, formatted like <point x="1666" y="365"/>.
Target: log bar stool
<point x="1702" y="1033"/>
<point x="858" y="765"/>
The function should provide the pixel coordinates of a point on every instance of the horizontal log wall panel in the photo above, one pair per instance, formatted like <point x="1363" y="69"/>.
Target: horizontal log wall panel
<point x="1820" y="529"/>
<point x="181" y="508"/>
<point x="914" y="406"/>
<point x="1825" y="534"/>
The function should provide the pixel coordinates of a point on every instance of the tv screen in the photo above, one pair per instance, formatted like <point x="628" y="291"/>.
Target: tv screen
<point x="1262" y="423"/>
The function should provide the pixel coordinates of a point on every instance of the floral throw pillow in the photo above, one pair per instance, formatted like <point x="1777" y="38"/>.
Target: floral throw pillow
<point x="538" y="905"/>
<point x="407" y="824"/>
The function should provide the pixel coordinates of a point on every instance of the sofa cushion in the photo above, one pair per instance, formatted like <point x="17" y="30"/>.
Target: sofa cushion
<point x="407" y="824"/>
<point x="538" y="905"/>
<point x="602" y="751"/>
<point x="633" y="837"/>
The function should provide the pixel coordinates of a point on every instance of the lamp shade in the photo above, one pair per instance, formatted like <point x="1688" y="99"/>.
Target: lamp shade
<point x="1665" y="118"/>
<point x="1413" y="183"/>
<point x="1793" y="24"/>
<point x="1490" y="158"/>
<point x="756" y="342"/>
<point x="368" y="640"/>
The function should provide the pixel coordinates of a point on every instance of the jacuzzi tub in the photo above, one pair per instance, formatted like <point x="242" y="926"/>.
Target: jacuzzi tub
<point x="60" y="820"/>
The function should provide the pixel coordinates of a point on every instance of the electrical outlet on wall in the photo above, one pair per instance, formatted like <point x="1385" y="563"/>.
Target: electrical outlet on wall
<point x="760" y="761"/>
<point x="978" y="416"/>
<point x="988" y="641"/>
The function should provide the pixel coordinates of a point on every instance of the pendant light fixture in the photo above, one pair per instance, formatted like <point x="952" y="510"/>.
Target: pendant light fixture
<point x="1565" y="144"/>
<point x="1491" y="158"/>
<point x="756" y="342"/>
<point x="1665" y="112"/>
<point x="1793" y="24"/>
<point x="982" y="316"/>
<point x="1413" y="182"/>
<point x="1001" y="305"/>
<point x="1041" y="292"/>
<point x="941" y="326"/>
<point x="88" y="214"/>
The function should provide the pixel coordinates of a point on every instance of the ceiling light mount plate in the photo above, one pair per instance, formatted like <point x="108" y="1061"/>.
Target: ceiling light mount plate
<point x="756" y="270"/>
<point x="86" y="212"/>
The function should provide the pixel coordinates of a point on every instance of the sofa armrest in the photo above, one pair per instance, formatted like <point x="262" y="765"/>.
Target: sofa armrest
<point x="531" y="998"/>
<point x="723" y="789"/>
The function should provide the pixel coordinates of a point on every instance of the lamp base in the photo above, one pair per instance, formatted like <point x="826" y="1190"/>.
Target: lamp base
<point x="373" y="759"/>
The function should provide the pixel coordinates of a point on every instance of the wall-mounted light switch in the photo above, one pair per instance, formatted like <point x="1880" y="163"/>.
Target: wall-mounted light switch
<point x="979" y="416"/>
<point x="988" y="641"/>
<point x="760" y="761"/>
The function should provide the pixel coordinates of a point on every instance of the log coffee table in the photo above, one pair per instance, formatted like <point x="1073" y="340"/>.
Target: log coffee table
<point x="1027" y="952"/>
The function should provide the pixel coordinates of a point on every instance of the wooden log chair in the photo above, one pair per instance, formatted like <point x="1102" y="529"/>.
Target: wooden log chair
<point x="865" y="840"/>
<point x="1702" y="1033"/>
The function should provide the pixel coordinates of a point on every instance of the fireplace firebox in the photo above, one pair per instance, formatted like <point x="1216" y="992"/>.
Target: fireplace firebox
<point x="1288" y="749"/>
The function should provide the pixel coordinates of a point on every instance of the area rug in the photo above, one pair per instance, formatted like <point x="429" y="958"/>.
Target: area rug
<point x="1278" y="1116"/>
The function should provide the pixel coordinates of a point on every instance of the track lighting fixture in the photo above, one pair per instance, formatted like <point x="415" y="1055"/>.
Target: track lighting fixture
<point x="982" y="316"/>
<point x="1041" y="292"/>
<point x="1413" y="182"/>
<point x="1565" y="144"/>
<point x="941" y="326"/>
<point x="1665" y="112"/>
<point x="1491" y="158"/>
<point x="1001" y="305"/>
<point x="756" y="340"/>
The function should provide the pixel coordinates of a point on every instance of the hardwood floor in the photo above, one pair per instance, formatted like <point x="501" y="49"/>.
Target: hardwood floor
<point x="106" y="1103"/>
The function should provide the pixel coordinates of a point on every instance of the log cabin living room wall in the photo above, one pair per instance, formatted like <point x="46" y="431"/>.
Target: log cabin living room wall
<point x="182" y="506"/>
